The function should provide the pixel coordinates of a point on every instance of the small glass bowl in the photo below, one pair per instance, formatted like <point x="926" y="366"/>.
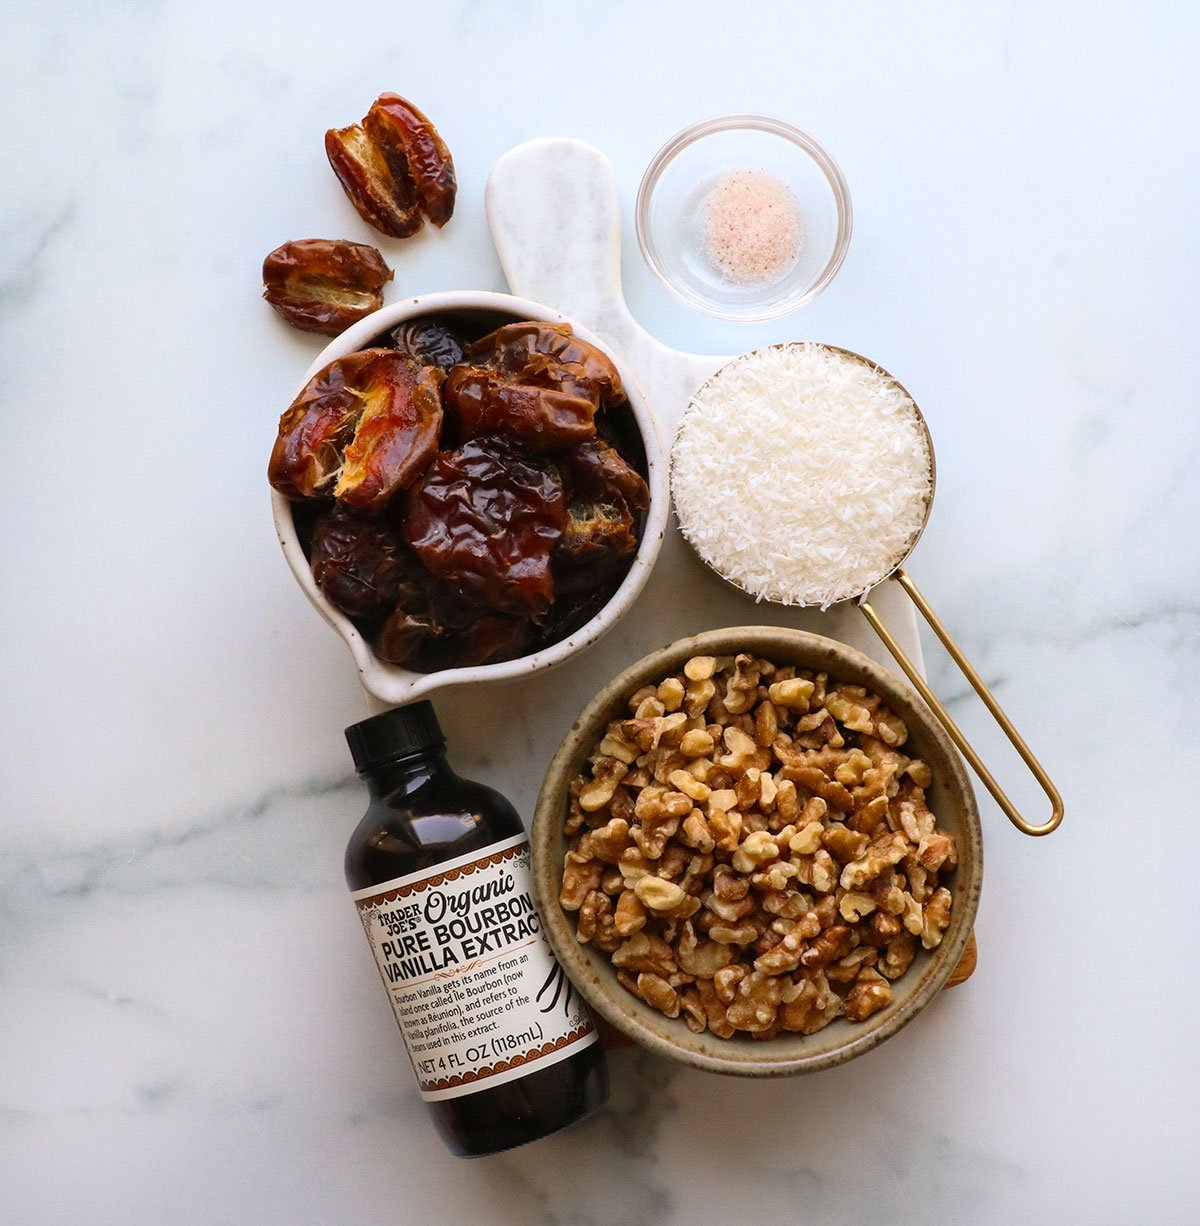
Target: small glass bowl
<point x="674" y="192"/>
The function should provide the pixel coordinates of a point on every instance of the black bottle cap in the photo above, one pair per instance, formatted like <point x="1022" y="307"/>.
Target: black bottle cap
<point x="393" y="734"/>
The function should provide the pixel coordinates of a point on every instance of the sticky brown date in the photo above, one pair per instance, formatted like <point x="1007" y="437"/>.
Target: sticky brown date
<point x="596" y="533"/>
<point x="396" y="436"/>
<point x="603" y="493"/>
<point x="394" y="166"/>
<point x="596" y="470"/>
<point x="486" y="519"/>
<point x="316" y="426"/>
<point x="480" y="402"/>
<point x="408" y="139"/>
<point x="367" y="424"/>
<point x="324" y="285"/>
<point x="434" y="626"/>
<point x="487" y="640"/>
<point x="549" y="355"/>
<point x="417" y="639"/>
<point x="385" y="198"/>
<point x="359" y="563"/>
<point x="429" y="342"/>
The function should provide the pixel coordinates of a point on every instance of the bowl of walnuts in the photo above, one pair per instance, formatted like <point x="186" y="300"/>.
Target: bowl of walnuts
<point x="757" y="852"/>
<point x="467" y="486"/>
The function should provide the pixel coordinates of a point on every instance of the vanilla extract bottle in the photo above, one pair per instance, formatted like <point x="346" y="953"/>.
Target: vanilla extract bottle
<point x="503" y="1049"/>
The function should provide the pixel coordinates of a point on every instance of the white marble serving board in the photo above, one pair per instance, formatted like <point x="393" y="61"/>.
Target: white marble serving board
<point x="555" y="219"/>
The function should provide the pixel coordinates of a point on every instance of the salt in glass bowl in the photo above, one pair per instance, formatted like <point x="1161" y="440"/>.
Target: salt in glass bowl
<point x="672" y="198"/>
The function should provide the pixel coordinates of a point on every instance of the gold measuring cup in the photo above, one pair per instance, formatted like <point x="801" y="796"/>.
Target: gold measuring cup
<point x="935" y="623"/>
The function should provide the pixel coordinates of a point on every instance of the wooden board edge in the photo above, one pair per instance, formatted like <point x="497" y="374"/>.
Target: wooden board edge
<point x="966" y="964"/>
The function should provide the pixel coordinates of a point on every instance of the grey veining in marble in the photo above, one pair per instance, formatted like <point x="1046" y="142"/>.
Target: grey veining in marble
<point x="190" y="1027"/>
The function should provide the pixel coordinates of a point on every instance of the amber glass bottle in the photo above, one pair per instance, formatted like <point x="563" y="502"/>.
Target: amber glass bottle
<point x="503" y="1049"/>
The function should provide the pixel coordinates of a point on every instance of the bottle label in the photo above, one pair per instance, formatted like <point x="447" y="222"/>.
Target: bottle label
<point x="478" y="995"/>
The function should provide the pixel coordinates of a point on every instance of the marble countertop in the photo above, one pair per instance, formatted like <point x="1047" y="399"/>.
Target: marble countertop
<point x="190" y="1027"/>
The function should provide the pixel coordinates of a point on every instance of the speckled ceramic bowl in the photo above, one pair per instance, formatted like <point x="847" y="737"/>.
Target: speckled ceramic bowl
<point x="950" y="797"/>
<point x="391" y="684"/>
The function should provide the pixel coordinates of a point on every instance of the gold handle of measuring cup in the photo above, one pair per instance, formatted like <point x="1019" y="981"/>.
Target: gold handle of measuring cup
<point x="968" y="671"/>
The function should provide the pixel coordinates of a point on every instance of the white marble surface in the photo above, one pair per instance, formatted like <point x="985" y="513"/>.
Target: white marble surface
<point x="190" y="1028"/>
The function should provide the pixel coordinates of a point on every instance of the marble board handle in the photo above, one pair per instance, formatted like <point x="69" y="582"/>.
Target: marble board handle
<point x="555" y="218"/>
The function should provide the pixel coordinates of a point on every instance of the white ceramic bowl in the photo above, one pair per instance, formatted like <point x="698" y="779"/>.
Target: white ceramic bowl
<point x="391" y="684"/>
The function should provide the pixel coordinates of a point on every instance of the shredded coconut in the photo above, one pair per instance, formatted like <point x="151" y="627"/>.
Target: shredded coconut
<point x="801" y="474"/>
<point x="752" y="227"/>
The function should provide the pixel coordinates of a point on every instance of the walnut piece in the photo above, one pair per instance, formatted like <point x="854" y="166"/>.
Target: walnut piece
<point x="753" y="849"/>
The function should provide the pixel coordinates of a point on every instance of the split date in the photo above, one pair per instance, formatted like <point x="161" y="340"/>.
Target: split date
<point x="394" y="167"/>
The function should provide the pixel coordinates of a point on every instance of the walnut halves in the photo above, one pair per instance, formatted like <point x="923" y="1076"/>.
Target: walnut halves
<point x="760" y="849"/>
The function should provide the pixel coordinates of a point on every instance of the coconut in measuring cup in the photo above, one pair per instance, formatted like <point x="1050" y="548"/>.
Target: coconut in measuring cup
<point x="843" y="482"/>
<point x="503" y="1049"/>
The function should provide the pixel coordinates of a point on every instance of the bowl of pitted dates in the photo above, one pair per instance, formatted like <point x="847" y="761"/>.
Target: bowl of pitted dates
<point x="467" y="486"/>
<point x="757" y="852"/>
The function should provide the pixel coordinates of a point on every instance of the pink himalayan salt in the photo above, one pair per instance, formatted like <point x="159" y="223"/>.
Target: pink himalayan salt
<point x="753" y="230"/>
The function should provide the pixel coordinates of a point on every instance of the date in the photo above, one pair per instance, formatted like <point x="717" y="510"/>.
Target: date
<point x="394" y="167"/>
<point x="486" y="519"/>
<point x="429" y="342"/>
<point x="402" y="639"/>
<point x="480" y="402"/>
<point x="384" y="196"/>
<point x="597" y="533"/>
<point x="324" y="285"/>
<point x="364" y="427"/>
<point x="434" y="625"/>
<point x="315" y="428"/>
<point x="549" y="355"/>
<point x="597" y="470"/>
<point x="603" y="494"/>
<point x="360" y="564"/>
<point x="409" y="140"/>
<point x="397" y="433"/>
